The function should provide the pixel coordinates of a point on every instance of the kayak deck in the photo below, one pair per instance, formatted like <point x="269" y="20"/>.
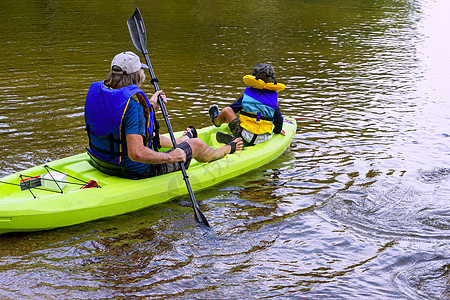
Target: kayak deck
<point x="37" y="209"/>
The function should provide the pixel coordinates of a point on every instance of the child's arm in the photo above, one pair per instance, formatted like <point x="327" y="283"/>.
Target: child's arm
<point x="237" y="105"/>
<point x="278" y="121"/>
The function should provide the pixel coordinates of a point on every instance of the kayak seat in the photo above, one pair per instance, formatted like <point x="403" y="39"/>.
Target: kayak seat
<point x="110" y="168"/>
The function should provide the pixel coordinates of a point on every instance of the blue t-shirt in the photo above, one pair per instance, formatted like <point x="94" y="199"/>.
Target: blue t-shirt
<point x="134" y="122"/>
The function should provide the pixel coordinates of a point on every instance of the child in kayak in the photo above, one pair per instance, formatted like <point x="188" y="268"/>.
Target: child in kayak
<point x="122" y="129"/>
<point x="259" y="112"/>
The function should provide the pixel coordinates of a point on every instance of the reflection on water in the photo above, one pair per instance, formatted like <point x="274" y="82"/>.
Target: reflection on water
<point x="356" y="208"/>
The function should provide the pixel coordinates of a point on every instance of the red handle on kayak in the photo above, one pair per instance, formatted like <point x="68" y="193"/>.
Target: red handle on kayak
<point x="90" y="184"/>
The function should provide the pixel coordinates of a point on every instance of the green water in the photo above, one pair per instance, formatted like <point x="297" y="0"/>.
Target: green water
<point x="357" y="208"/>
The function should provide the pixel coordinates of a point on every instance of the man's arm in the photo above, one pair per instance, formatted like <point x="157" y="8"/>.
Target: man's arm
<point x="140" y="153"/>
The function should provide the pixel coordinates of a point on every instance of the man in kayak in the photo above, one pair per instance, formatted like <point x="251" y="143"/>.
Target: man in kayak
<point x="122" y="129"/>
<point x="259" y="113"/>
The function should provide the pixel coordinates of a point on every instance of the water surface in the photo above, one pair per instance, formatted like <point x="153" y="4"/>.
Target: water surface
<point x="356" y="208"/>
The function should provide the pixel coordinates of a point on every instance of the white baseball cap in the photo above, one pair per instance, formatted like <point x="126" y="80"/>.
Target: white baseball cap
<point x="127" y="63"/>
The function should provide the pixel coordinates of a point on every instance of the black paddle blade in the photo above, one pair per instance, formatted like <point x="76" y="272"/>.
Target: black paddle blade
<point x="200" y="217"/>
<point x="137" y="31"/>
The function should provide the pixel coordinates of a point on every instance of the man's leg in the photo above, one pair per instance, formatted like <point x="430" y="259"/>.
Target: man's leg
<point x="204" y="153"/>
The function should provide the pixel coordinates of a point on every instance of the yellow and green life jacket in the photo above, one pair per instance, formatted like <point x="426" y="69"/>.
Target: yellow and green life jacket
<point x="259" y="104"/>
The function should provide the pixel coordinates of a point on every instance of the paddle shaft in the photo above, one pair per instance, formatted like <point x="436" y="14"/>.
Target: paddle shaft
<point x="198" y="214"/>
<point x="172" y="136"/>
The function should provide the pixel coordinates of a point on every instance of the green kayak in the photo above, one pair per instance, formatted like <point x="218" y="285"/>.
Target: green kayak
<point x="71" y="191"/>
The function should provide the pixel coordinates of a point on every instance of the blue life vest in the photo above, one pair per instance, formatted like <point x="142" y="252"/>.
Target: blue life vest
<point x="258" y="108"/>
<point x="104" y="112"/>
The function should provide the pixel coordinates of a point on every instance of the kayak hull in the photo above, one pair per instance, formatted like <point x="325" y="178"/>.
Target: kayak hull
<point x="36" y="209"/>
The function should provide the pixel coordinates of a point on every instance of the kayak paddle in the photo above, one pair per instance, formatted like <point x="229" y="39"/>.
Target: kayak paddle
<point x="139" y="38"/>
